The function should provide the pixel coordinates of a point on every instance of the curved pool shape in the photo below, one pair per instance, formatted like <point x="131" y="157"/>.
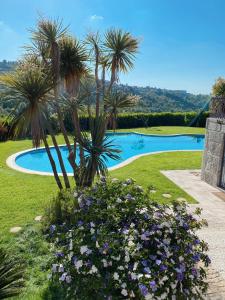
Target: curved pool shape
<point x="132" y="146"/>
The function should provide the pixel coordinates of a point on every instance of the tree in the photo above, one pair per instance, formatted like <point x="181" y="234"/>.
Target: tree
<point x="68" y="64"/>
<point x="30" y="86"/>
<point x="116" y="101"/>
<point x="121" y="49"/>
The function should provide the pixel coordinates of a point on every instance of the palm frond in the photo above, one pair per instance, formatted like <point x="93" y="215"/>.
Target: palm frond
<point x="11" y="276"/>
<point x="121" y="48"/>
<point x="49" y="30"/>
<point x="32" y="86"/>
<point x="98" y="148"/>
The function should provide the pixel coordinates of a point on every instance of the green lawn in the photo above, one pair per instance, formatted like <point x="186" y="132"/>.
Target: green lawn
<point x="167" y="130"/>
<point x="24" y="196"/>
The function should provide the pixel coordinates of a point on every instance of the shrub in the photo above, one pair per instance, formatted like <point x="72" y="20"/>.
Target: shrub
<point x="218" y="88"/>
<point x="135" y="120"/>
<point x="121" y="245"/>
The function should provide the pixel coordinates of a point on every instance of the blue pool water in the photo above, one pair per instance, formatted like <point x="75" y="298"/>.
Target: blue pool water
<point x="130" y="144"/>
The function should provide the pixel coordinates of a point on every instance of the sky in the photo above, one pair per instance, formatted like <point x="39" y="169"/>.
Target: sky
<point x="182" y="42"/>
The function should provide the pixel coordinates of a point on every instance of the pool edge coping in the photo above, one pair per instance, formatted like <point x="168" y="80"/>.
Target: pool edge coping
<point x="11" y="160"/>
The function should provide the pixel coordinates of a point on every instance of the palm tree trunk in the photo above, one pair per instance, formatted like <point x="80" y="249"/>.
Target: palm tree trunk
<point x="97" y="81"/>
<point x="65" y="177"/>
<point x="52" y="162"/>
<point x="78" y="134"/>
<point x="56" y="77"/>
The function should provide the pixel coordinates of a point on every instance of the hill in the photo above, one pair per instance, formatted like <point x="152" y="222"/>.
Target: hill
<point x="159" y="100"/>
<point x="152" y="99"/>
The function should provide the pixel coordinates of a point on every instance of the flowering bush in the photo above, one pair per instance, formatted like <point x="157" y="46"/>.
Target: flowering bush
<point x="121" y="245"/>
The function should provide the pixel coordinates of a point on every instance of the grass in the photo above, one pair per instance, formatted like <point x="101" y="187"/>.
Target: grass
<point x="167" y="130"/>
<point x="24" y="196"/>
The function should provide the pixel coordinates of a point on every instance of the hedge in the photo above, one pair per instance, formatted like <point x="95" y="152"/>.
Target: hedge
<point x="130" y="120"/>
<point x="135" y="120"/>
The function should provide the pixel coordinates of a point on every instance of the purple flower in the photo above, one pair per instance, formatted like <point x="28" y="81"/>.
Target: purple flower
<point x="196" y="242"/>
<point x="144" y="262"/>
<point x="153" y="286"/>
<point x="106" y="246"/>
<point x="143" y="289"/>
<point x="147" y="270"/>
<point x="158" y="262"/>
<point x="129" y="197"/>
<point x="59" y="254"/>
<point x="180" y="276"/>
<point x="196" y="258"/>
<point x="74" y="259"/>
<point x="52" y="228"/>
<point x="208" y="260"/>
<point x="152" y="257"/>
<point x="163" y="268"/>
<point x="186" y="226"/>
<point x="80" y="223"/>
<point x="194" y="272"/>
<point x="89" y="201"/>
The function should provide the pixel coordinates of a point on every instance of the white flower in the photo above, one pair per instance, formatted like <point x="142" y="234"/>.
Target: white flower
<point x="121" y="268"/>
<point x="127" y="258"/>
<point x="163" y="296"/>
<point x="63" y="277"/>
<point x="124" y="292"/>
<point x="133" y="276"/>
<point x="148" y="297"/>
<point x="78" y="264"/>
<point x="118" y="200"/>
<point x="173" y="285"/>
<point x="61" y="268"/>
<point x="54" y="268"/>
<point x="92" y="224"/>
<point x="124" y="285"/>
<point x="143" y="210"/>
<point x="93" y="269"/>
<point x="83" y="249"/>
<point x="92" y="231"/>
<point x="68" y="279"/>
<point x="132" y="225"/>
<point x="132" y="295"/>
<point x="97" y="244"/>
<point x="130" y="243"/>
<point x="181" y="258"/>
<point x="135" y="266"/>
<point x="105" y="264"/>
<point x="116" y="276"/>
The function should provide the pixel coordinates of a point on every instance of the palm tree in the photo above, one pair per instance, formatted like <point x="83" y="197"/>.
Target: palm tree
<point x="73" y="68"/>
<point x="94" y="41"/>
<point x="121" y="49"/>
<point x="98" y="149"/>
<point x="11" y="276"/>
<point x="30" y="85"/>
<point x="116" y="101"/>
<point x="48" y="34"/>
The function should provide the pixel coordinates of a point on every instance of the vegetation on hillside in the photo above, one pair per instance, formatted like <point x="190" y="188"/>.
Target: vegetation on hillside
<point x="152" y="99"/>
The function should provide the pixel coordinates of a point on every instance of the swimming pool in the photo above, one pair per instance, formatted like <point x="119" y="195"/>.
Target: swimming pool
<point x="132" y="145"/>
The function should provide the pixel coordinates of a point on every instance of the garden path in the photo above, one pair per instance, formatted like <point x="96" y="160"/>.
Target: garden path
<point x="212" y="201"/>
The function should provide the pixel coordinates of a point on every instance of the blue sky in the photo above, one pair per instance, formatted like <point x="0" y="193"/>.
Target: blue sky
<point x="182" y="41"/>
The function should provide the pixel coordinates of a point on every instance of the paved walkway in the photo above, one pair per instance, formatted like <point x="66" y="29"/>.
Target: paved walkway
<point x="212" y="201"/>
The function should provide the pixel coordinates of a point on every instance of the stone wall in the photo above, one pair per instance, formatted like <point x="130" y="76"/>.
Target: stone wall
<point x="213" y="154"/>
